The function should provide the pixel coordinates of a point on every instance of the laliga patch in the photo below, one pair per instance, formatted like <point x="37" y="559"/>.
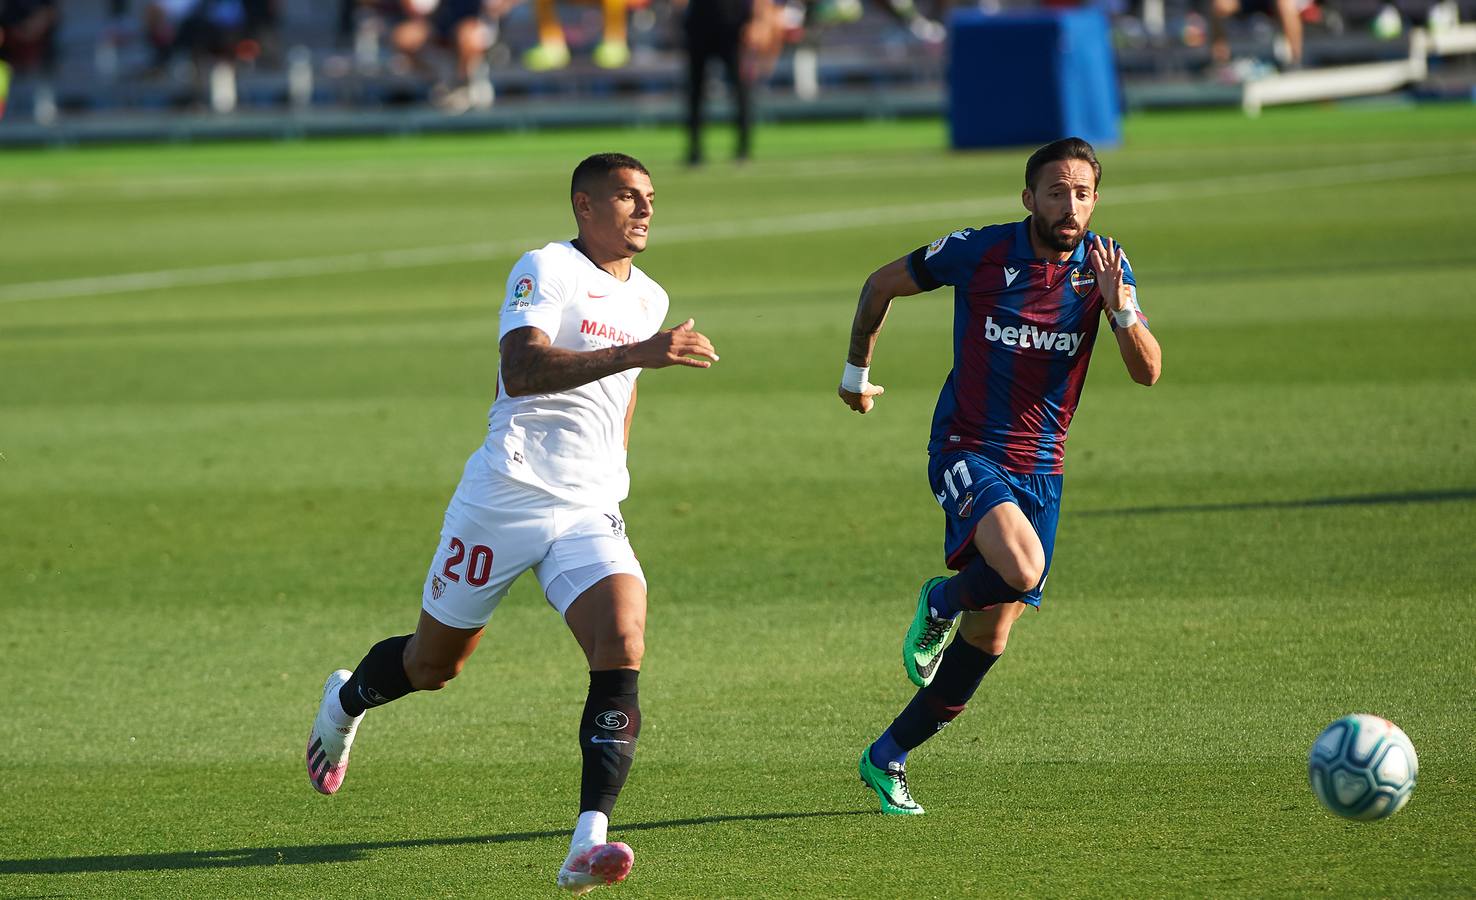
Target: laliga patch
<point x="937" y="245"/>
<point x="1082" y="281"/>
<point x="522" y="292"/>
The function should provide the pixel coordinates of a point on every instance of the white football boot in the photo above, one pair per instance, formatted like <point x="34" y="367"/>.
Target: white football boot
<point x="589" y="867"/>
<point x="332" y="735"/>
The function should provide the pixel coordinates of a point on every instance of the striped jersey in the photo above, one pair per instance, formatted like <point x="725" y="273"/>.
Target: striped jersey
<point x="1023" y="330"/>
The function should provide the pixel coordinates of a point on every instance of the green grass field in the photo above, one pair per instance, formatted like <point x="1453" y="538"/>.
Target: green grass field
<point x="223" y="477"/>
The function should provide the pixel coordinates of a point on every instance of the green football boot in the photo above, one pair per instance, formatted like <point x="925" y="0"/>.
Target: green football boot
<point x="890" y="785"/>
<point x="926" y="638"/>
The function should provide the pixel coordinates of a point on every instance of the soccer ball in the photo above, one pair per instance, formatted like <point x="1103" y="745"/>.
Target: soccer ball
<point x="1363" y="767"/>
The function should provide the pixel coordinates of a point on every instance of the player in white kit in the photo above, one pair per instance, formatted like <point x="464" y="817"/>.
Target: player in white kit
<point x="543" y="492"/>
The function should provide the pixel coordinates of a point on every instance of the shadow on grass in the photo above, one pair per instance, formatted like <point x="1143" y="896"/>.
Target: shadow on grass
<point x="332" y="853"/>
<point x="1309" y="503"/>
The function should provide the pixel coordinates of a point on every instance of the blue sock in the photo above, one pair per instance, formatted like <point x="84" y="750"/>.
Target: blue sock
<point x="887" y="750"/>
<point x="939" y="601"/>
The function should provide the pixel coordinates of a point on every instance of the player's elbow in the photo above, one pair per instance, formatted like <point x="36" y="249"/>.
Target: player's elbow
<point x="1146" y="369"/>
<point x="522" y="355"/>
<point x="515" y="381"/>
<point x="884" y="285"/>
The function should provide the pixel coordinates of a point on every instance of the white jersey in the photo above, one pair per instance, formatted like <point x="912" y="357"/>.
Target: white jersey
<point x="571" y="444"/>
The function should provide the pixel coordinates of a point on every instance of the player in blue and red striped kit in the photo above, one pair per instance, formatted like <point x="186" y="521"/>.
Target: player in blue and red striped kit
<point x="1028" y="297"/>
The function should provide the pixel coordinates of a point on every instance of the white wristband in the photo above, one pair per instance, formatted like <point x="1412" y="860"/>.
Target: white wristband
<point x="1125" y="318"/>
<point x="855" y="378"/>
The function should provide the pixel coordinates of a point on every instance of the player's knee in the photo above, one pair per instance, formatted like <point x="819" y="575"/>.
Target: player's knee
<point x="624" y="650"/>
<point x="431" y="675"/>
<point x="618" y="646"/>
<point x="1023" y="571"/>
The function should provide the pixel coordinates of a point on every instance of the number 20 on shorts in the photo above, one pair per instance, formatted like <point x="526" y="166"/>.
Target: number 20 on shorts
<point x="478" y="562"/>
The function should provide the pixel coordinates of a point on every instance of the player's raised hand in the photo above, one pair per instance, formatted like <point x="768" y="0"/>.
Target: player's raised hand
<point x="679" y="346"/>
<point x="1109" y="266"/>
<point x="861" y="402"/>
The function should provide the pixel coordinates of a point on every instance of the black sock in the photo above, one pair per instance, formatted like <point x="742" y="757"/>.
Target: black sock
<point x="379" y="678"/>
<point x="607" y="735"/>
<point x="959" y="672"/>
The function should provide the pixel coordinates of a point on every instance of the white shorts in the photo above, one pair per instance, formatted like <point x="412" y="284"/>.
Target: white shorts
<point x="496" y="529"/>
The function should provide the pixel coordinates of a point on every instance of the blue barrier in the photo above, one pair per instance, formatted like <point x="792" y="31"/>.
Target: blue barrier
<point x="1030" y="78"/>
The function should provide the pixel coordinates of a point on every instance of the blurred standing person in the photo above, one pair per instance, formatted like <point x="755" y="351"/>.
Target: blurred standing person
<point x="715" y="29"/>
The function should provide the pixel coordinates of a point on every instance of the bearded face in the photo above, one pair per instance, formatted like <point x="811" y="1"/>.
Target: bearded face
<point x="1061" y="204"/>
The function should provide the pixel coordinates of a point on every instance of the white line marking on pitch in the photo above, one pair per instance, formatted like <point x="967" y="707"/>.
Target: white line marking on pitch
<point x="94" y="188"/>
<point x="800" y="223"/>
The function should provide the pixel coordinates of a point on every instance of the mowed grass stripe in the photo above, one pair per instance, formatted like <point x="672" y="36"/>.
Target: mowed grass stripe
<point x="793" y="224"/>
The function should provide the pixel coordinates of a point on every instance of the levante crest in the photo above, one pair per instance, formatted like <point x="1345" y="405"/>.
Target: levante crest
<point x="1082" y="281"/>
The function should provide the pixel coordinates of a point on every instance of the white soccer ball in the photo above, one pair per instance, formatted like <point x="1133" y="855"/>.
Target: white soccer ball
<point x="1363" y="767"/>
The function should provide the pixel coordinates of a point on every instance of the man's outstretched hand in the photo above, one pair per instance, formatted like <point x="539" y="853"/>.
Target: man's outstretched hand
<point x="679" y="346"/>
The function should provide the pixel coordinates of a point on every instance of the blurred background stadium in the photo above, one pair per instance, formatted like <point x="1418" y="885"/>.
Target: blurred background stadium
<point x="140" y="69"/>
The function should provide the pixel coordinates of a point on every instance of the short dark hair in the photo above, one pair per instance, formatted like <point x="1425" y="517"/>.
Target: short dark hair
<point x="1056" y="151"/>
<point x="598" y="167"/>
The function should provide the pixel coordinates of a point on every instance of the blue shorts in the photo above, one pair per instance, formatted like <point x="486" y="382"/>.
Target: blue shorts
<point x="967" y="486"/>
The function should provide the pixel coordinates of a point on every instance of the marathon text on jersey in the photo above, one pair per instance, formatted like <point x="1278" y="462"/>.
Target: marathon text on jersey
<point x="606" y="332"/>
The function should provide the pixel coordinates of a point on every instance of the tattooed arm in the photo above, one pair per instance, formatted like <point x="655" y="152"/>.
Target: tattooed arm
<point x="885" y="285"/>
<point x="532" y="365"/>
